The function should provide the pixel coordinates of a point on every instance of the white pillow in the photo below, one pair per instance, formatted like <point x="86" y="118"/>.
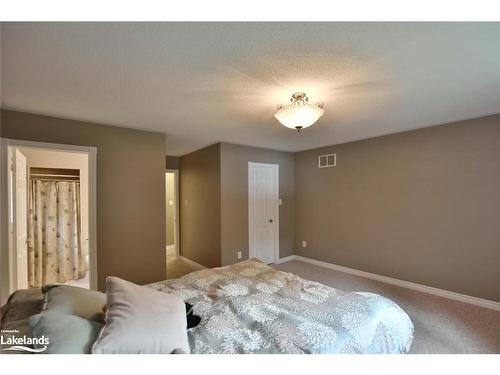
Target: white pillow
<point x="141" y="320"/>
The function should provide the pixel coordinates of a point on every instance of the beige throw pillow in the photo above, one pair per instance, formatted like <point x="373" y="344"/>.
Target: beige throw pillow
<point x="141" y="320"/>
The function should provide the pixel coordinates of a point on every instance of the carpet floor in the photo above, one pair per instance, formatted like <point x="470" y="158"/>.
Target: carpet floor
<point x="177" y="267"/>
<point x="442" y="326"/>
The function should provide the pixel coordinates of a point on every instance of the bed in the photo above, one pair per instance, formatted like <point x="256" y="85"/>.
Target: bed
<point x="250" y="307"/>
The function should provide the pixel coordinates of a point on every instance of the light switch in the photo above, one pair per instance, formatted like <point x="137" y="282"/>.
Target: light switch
<point x="280" y="201"/>
<point x="170" y="203"/>
<point x="304" y="244"/>
<point x="186" y="203"/>
<point x="238" y="255"/>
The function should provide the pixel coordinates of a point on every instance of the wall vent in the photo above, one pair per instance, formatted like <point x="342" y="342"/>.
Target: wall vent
<point x="325" y="161"/>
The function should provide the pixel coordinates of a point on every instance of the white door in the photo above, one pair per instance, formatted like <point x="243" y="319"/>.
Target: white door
<point x="20" y="219"/>
<point x="263" y="211"/>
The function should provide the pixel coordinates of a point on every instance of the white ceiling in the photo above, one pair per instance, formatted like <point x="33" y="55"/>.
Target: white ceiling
<point x="201" y="83"/>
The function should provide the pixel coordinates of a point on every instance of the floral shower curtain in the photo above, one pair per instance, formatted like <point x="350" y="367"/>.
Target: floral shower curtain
<point x="54" y="247"/>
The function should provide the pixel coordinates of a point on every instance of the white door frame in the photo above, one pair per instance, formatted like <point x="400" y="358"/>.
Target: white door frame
<point x="6" y="287"/>
<point x="276" y="218"/>
<point x="176" y="212"/>
<point x="14" y="235"/>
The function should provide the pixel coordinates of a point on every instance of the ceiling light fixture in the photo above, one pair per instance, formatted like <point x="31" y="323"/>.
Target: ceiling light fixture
<point x="299" y="114"/>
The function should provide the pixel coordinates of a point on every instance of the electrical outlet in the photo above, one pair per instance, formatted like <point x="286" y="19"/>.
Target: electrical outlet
<point x="239" y="254"/>
<point x="304" y="244"/>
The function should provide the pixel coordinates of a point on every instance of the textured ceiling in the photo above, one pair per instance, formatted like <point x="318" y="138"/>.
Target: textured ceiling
<point x="200" y="83"/>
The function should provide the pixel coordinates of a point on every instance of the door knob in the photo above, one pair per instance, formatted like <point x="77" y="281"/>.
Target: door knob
<point x="270" y="220"/>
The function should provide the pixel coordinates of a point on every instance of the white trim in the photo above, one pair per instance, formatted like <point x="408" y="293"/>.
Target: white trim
<point x="4" y="227"/>
<point x="11" y="193"/>
<point x="13" y="250"/>
<point x="191" y="262"/>
<point x="488" y="304"/>
<point x="276" y="168"/>
<point x="92" y="167"/>
<point x="286" y="259"/>
<point x="176" y="213"/>
<point x="93" y="280"/>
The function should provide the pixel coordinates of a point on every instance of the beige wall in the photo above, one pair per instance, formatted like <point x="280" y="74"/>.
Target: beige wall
<point x="172" y="162"/>
<point x="421" y="206"/>
<point x="71" y="160"/>
<point x="130" y="190"/>
<point x="234" y="198"/>
<point x="214" y="180"/>
<point x="170" y="188"/>
<point x="200" y="206"/>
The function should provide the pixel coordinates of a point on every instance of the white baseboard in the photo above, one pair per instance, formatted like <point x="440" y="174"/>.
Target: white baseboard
<point x="191" y="262"/>
<point x="286" y="259"/>
<point x="405" y="284"/>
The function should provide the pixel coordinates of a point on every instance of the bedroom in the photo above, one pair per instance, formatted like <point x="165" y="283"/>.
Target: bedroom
<point x="278" y="187"/>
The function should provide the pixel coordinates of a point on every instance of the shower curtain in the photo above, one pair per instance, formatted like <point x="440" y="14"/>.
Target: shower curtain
<point x="54" y="233"/>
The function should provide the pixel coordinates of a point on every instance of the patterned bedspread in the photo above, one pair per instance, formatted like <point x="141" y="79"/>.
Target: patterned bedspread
<point x="250" y="307"/>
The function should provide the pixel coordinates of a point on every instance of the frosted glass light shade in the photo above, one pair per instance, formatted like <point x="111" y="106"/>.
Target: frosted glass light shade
<point x="299" y="114"/>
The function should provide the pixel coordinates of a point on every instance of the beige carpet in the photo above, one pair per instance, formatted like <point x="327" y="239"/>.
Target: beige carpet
<point x="441" y="325"/>
<point x="177" y="267"/>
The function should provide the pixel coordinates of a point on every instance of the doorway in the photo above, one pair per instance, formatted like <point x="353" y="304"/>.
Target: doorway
<point x="172" y="212"/>
<point x="263" y="211"/>
<point x="48" y="214"/>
